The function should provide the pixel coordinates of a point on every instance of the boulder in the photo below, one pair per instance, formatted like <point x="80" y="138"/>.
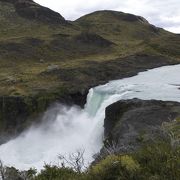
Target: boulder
<point x="52" y="67"/>
<point x="129" y="123"/>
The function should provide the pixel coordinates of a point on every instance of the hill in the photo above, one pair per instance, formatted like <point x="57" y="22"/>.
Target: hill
<point x="44" y="58"/>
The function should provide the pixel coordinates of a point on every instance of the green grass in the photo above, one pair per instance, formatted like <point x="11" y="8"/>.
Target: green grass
<point x="24" y="42"/>
<point x="173" y="128"/>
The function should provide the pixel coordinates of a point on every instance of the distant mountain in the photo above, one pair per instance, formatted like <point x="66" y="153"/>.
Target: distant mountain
<point x="44" y="58"/>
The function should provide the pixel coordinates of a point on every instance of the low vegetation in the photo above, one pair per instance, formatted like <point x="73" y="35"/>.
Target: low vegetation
<point x="155" y="161"/>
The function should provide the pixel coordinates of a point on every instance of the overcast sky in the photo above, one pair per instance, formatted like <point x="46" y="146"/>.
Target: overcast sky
<point x="162" y="13"/>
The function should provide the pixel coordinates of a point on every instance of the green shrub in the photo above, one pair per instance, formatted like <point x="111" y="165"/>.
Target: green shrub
<point x="159" y="161"/>
<point x="115" y="167"/>
<point x="154" y="161"/>
<point x="57" y="173"/>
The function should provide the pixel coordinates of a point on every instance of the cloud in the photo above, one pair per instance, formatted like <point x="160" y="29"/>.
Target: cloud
<point x="162" y="13"/>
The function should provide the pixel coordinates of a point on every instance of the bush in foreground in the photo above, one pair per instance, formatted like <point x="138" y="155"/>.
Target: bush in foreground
<point x="57" y="173"/>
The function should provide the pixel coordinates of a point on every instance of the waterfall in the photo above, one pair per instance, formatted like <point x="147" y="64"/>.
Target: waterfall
<point x="67" y="129"/>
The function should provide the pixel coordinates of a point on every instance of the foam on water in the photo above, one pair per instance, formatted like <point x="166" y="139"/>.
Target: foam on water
<point x="67" y="129"/>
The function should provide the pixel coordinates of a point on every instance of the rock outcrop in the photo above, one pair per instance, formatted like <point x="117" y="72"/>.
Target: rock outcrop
<point x="129" y="123"/>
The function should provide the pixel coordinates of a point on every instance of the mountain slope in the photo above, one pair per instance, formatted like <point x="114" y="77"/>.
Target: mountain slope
<point x="31" y="10"/>
<point x="120" y="25"/>
<point x="26" y="18"/>
<point x="128" y="31"/>
<point x="44" y="58"/>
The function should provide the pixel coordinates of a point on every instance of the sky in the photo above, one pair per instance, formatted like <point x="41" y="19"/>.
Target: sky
<point x="162" y="13"/>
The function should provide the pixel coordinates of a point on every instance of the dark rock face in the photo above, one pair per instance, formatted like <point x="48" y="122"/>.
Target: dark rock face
<point x="31" y="10"/>
<point x="130" y="122"/>
<point x="17" y="114"/>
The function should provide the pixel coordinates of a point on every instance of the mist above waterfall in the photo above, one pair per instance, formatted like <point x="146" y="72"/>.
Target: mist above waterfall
<point x="66" y="129"/>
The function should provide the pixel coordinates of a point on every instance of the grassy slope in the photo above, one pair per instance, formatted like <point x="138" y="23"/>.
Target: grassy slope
<point x="24" y="43"/>
<point x="131" y="33"/>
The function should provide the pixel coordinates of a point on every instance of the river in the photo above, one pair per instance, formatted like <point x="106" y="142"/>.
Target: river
<point x="67" y="129"/>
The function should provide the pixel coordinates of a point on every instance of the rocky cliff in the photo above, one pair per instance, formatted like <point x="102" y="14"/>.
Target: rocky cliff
<point x="130" y="123"/>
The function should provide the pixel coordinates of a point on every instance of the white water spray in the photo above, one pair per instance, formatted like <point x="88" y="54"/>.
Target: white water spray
<point x="67" y="129"/>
